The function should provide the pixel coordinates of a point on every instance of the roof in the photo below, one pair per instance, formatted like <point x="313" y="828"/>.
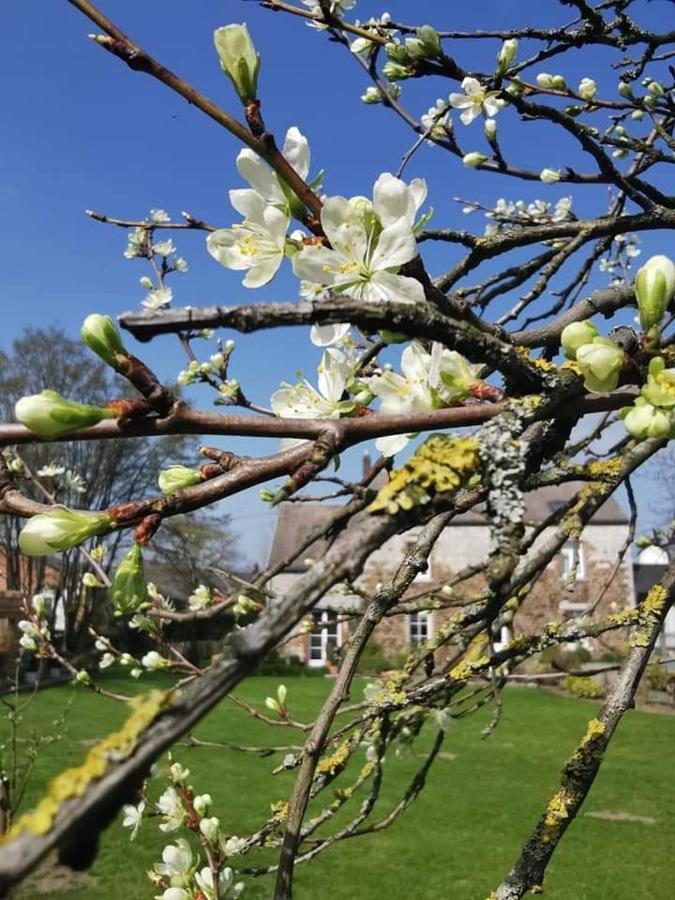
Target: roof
<point x="296" y="521"/>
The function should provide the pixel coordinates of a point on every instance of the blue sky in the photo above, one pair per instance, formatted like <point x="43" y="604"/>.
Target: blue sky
<point x="83" y="131"/>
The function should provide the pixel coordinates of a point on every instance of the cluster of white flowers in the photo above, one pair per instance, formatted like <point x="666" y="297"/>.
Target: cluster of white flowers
<point x="617" y="262"/>
<point x="162" y="253"/>
<point x="509" y="214"/>
<point x="34" y="631"/>
<point x="476" y="101"/>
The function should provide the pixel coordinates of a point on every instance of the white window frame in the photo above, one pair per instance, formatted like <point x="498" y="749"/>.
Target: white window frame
<point x="502" y="639"/>
<point x="415" y="633"/>
<point x="323" y="631"/>
<point x="570" y="553"/>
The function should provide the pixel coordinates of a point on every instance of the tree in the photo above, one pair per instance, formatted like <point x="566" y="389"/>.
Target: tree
<point x="480" y="348"/>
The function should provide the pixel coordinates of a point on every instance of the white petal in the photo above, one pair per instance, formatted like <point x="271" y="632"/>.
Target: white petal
<point x="263" y="271"/>
<point x="276" y="222"/>
<point x="222" y="245"/>
<point x="470" y="113"/>
<point x="296" y="151"/>
<point x="259" y="175"/>
<point x="388" y="446"/>
<point x="325" y="335"/>
<point x="415" y="362"/>
<point x="397" y="288"/>
<point x="249" y="204"/>
<point x="396" y="245"/>
<point x="334" y="370"/>
<point x="316" y="264"/>
<point x="392" y="201"/>
<point x="472" y="86"/>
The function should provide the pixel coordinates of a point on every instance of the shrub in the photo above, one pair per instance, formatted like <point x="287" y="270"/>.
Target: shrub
<point x="583" y="686"/>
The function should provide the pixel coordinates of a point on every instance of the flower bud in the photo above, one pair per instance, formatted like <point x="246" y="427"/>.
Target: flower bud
<point x="210" y="828"/>
<point x="50" y="416"/>
<point x="175" y="478"/>
<point x="179" y="774"/>
<point x="202" y="804"/>
<point x="545" y="81"/>
<point x="600" y="362"/>
<point x="83" y="677"/>
<point x="490" y="129"/>
<point x="507" y="53"/>
<point x="100" y="334"/>
<point x="656" y="89"/>
<point x="90" y="580"/>
<point x="394" y="71"/>
<point x="558" y="83"/>
<point x="154" y="661"/>
<point x="575" y="335"/>
<point x="660" y="387"/>
<point x="549" y="176"/>
<point x="587" y="88"/>
<point x="644" y="421"/>
<point x="429" y="40"/>
<point x="397" y="53"/>
<point x="39" y="604"/>
<point x="654" y="289"/>
<point x="128" y="591"/>
<point x="473" y="160"/>
<point x="60" y="528"/>
<point x="625" y="90"/>
<point x="238" y="59"/>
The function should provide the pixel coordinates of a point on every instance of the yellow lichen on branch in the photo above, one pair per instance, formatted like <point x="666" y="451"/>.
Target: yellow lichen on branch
<point x="74" y="782"/>
<point x="441" y="465"/>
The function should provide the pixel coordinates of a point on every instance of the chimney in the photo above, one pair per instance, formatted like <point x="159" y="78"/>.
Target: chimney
<point x="367" y="464"/>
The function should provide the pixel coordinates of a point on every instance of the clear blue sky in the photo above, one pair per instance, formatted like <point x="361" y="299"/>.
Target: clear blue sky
<point x="83" y="131"/>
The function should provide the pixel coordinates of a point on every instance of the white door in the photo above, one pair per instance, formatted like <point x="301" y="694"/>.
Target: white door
<point x="324" y="640"/>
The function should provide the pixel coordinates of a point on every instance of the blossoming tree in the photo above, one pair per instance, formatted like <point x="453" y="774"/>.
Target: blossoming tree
<point x="516" y="383"/>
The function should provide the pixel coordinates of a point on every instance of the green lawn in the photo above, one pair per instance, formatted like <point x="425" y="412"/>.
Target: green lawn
<point x="460" y="838"/>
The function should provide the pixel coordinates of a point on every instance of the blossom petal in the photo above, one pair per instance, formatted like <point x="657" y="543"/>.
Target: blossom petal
<point x="388" y="446"/>
<point x="249" y="204"/>
<point x="316" y="264"/>
<point x="325" y="335"/>
<point x="296" y="151"/>
<point x="259" y="175"/>
<point x="222" y="245"/>
<point x="388" y="287"/>
<point x="263" y="271"/>
<point x="396" y="245"/>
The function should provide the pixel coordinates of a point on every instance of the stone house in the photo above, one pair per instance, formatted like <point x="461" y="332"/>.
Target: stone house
<point x="572" y="581"/>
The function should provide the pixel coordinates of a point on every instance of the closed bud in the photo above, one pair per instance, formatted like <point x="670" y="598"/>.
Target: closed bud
<point x="575" y="335"/>
<point x="656" y="89"/>
<point x="490" y="129"/>
<point x="39" y="604"/>
<point x="210" y="828"/>
<point x="549" y="176"/>
<point x="644" y="421"/>
<point x="654" y="289"/>
<point x="507" y="53"/>
<point x="397" y="53"/>
<point x="587" y="88"/>
<point x="625" y="90"/>
<point x="60" y="528"/>
<point x="238" y="59"/>
<point x="128" y="592"/>
<point x="558" y="83"/>
<point x="100" y="334"/>
<point x="175" y="478"/>
<point x="50" y="416"/>
<point x="394" y="71"/>
<point x="474" y="159"/>
<point x="600" y="362"/>
<point x="429" y="40"/>
<point x="90" y="580"/>
<point x="154" y="661"/>
<point x="545" y="81"/>
<point x="202" y="804"/>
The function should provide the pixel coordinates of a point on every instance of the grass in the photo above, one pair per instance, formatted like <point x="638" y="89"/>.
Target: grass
<point x="457" y="841"/>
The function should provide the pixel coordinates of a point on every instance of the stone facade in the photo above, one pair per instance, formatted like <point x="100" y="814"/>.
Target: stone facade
<point x="572" y="581"/>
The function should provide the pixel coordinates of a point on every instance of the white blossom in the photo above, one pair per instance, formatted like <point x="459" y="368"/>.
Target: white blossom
<point x="158" y="298"/>
<point x="264" y="182"/>
<point x="256" y="245"/>
<point x="133" y="816"/>
<point x="171" y="807"/>
<point x="475" y="100"/>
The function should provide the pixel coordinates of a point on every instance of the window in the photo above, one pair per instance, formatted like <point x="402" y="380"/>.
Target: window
<point x="419" y="627"/>
<point x="573" y="567"/>
<point x="325" y="639"/>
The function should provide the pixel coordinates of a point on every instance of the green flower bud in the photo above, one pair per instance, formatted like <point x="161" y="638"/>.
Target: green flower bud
<point x="238" y="59"/>
<point x="625" y="90"/>
<point x="545" y="81"/>
<point x="490" y="128"/>
<point x="128" y="592"/>
<point x="175" y="478"/>
<point x="51" y="416"/>
<point x="656" y="89"/>
<point x="507" y="53"/>
<point x="473" y="160"/>
<point x="429" y="40"/>
<point x="60" y="528"/>
<point x="394" y="71"/>
<point x="660" y="387"/>
<point x="600" y="362"/>
<point x="100" y="334"/>
<point x="558" y="83"/>
<point x="654" y="289"/>
<point x="575" y="335"/>
<point x="644" y="421"/>
<point x="397" y="53"/>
